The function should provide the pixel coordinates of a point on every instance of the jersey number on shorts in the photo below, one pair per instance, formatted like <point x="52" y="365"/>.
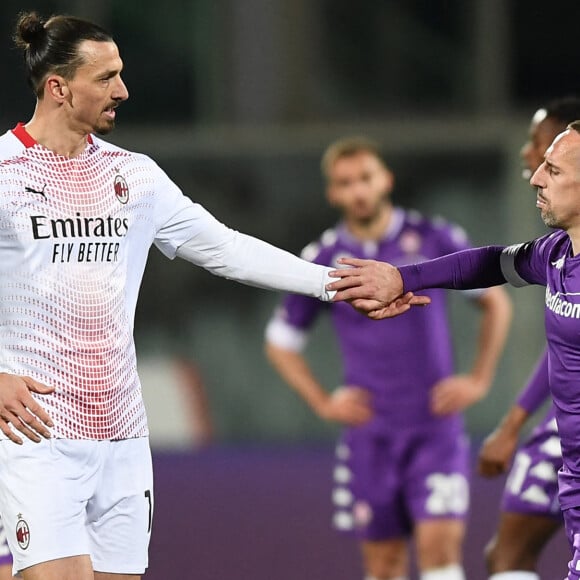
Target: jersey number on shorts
<point x="518" y="473"/>
<point x="449" y="494"/>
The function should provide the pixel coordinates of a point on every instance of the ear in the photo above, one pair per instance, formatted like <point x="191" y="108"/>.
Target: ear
<point x="56" y="87"/>
<point x="389" y="181"/>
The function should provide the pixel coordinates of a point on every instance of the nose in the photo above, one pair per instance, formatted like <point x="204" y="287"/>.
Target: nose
<point x="120" y="93"/>
<point x="536" y="179"/>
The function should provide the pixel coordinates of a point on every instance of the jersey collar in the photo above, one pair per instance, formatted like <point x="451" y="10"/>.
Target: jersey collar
<point x="28" y="141"/>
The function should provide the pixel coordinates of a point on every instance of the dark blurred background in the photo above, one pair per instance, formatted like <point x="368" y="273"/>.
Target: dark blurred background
<point x="236" y="100"/>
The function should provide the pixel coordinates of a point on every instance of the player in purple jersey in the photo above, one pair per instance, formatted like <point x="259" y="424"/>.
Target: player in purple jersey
<point x="552" y="261"/>
<point x="402" y="461"/>
<point x="78" y="217"/>
<point x="530" y="512"/>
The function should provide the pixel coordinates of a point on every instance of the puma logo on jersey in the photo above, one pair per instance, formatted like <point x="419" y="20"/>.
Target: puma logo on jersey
<point x="37" y="191"/>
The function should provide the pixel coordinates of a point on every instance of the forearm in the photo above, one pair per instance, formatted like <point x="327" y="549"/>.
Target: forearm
<point x="294" y="369"/>
<point x="240" y="257"/>
<point x="514" y="420"/>
<point x="465" y="270"/>
<point x="494" y="329"/>
<point x="537" y="390"/>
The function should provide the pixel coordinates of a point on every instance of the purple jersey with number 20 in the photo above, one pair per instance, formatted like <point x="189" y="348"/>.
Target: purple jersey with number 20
<point x="406" y="464"/>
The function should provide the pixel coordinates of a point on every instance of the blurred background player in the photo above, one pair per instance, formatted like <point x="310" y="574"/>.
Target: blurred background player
<point x="5" y="556"/>
<point x="530" y="511"/>
<point x="402" y="462"/>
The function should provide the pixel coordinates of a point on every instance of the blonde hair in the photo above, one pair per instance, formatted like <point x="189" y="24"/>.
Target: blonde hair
<point x="348" y="147"/>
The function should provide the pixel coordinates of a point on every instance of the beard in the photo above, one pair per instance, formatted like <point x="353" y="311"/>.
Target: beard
<point x="550" y="219"/>
<point x="104" y="128"/>
<point x="365" y="214"/>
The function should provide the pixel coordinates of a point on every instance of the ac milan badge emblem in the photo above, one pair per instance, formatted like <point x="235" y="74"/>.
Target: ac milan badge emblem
<point x="121" y="189"/>
<point x="22" y="534"/>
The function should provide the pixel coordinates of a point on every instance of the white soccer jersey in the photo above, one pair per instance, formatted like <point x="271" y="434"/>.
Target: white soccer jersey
<point x="74" y="239"/>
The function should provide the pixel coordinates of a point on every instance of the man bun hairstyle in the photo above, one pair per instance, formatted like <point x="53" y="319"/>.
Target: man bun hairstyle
<point x="51" y="46"/>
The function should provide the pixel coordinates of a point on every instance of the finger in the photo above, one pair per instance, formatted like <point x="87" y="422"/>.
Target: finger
<point x="344" y="283"/>
<point x="420" y="300"/>
<point x="349" y="293"/>
<point x="355" y="262"/>
<point x="36" y="409"/>
<point x="345" y="273"/>
<point x="34" y="424"/>
<point x="37" y="386"/>
<point x="16" y="423"/>
<point x="5" y="428"/>
<point x="383" y="313"/>
<point x="366" y="305"/>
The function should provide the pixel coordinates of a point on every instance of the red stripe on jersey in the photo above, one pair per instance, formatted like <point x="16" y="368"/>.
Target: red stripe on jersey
<point x="22" y="134"/>
<point x="29" y="141"/>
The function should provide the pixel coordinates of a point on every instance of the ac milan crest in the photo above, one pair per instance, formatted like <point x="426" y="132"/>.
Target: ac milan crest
<point x="22" y="533"/>
<point x="121" y="189"/>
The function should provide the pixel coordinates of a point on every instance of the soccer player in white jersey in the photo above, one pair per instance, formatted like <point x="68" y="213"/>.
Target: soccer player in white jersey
<point x="77" y="219"/>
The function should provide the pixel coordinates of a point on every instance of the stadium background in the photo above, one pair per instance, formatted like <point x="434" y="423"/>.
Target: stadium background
<point x="236" y="99"/>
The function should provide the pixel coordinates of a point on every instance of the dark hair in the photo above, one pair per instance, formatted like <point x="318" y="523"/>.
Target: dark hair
<point x="51" y="46"/>
<point x="575" y="125"/>
<point x="564" y="110"/>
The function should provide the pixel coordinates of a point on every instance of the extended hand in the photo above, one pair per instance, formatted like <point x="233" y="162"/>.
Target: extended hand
<point x="19" y="409"/>
<point x="374" y="288"/>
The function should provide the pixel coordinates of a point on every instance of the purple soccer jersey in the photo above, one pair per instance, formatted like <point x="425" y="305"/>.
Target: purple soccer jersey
<point x="405" y="457"/>
<point x="549" y="261"/>
<point x="397" y="360"/>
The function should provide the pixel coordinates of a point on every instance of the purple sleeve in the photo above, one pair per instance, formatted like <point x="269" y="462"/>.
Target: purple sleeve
<point x="465" y="270"/>
<point x="301" y="311"/>
<point x="537" y="390"/>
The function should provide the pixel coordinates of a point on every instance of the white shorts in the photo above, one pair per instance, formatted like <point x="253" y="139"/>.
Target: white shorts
<point x="63" y="497"/>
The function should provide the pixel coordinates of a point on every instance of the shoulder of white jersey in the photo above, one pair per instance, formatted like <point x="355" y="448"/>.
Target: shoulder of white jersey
<point x="10" y="146"/>
<point x="326" y="240"/>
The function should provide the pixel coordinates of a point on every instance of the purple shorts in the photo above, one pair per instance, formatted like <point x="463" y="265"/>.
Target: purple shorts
<point x="384" y="483"/>
<point x="532" y="485"/>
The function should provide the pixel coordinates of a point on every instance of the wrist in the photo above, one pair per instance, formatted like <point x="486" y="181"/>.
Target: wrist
<point x="514" y="420"/>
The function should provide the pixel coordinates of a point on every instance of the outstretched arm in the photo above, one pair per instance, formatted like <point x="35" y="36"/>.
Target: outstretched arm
<point x="372" y="286"/>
